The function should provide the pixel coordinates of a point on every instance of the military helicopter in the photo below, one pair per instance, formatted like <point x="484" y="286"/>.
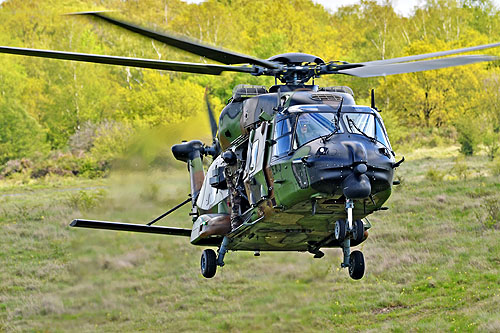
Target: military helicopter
<point x="295" y="167"/>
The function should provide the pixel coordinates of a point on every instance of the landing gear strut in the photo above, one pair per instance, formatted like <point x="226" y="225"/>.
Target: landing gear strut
<point x="354" y="261"/>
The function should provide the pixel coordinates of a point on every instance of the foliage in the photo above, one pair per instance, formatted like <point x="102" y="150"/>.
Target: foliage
<point x="495" y="167"/>
<point x="468" y="135"/>
<point x="490" y="213"/>
<point x="434" y="174"/>
<point x="59" y="105"/>
<point x="460" y="168"/>
<point x="86" y="200"/>
<point x="491" y="140"/>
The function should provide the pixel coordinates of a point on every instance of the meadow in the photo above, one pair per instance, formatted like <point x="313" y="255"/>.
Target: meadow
<point x="433" y="260"/>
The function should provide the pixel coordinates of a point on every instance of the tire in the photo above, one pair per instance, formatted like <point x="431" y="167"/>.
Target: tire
<point x="358" y="231"/>
<point x="356" y="265"/>
<point x="208" y="263"/>
<point x="340" y="231"/>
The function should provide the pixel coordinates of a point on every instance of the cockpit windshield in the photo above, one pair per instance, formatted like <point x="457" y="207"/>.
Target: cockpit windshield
<point x="311" y="126"/>
<point x="368" y="125"/>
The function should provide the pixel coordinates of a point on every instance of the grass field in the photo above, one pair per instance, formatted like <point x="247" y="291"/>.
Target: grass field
<point x="433" y="261"/>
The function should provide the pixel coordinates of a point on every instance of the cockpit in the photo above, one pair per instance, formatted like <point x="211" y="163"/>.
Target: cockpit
<point x="305" y="123"/>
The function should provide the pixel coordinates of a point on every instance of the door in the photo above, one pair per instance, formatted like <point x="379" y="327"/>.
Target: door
<point x="255" y="180"/>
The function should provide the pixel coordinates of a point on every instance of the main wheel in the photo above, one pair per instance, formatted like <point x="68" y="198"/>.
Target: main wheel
<point x="356" y="265"/>
<point x="358" y="231"/>
<point x="340" y="231"/>
<point x="208" y="263"/>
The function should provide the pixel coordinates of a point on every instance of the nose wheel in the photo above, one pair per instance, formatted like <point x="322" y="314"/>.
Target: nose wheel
<point x="356" y="265"/>
<point x="354" y="261"/>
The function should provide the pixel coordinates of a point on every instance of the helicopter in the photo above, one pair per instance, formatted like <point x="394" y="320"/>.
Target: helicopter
<point x="295" y="167"/>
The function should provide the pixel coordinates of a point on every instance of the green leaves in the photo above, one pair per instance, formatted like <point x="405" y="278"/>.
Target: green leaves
<point x="55" y="98"/>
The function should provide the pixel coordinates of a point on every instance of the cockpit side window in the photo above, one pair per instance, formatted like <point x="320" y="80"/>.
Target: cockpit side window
<point x="283" y="137"/>
<point x="381" y="135"/>
<point x="360" y="123"/>
<point x="367" y="124"/>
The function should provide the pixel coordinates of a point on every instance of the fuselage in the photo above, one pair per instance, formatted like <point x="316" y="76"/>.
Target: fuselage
<point x="302" y="154"/>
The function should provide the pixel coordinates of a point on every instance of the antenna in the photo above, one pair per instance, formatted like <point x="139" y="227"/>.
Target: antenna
<point x="373" y="99"/>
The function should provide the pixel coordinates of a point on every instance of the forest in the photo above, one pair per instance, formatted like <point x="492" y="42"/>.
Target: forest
<point x="75" y="118"/>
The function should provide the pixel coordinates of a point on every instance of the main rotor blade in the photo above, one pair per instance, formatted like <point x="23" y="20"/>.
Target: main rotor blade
<point x="151" y="229"/>
<point x="124" y="61"/>
<point x="210" y="52"/>
<point x="416" y="66"/>
<point x="430" y="55"/>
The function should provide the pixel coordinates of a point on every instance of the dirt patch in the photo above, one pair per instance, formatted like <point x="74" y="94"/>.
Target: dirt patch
<point x="388" y="309"/>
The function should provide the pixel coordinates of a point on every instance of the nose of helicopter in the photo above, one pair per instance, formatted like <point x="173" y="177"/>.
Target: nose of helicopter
<point x="354" y="168"/>
<point x="357" y="185"/>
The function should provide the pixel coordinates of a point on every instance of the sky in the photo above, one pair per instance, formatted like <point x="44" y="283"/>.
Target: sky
<point x="400" y="6"/>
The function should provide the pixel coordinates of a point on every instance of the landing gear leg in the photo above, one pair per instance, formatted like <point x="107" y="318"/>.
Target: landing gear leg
<point x="346" y="244"/>
<point x="346" y="249"/>
<point x="355" y="260"/>
<point x="222" y="251"/>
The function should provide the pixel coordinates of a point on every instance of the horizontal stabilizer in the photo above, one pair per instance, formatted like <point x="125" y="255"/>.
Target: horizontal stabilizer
<point x="131" y="227"/>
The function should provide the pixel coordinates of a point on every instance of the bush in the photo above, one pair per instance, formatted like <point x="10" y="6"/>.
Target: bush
<point x="434" y="174"/>
<point x="490" y="216"/>
<point x="491" y="140"/>
<point x="69" y="165"/>
<point x="104" y="141"/>
<point x="469" y="134"/>
<point x="495" y="168"/>
<point x="15" y="166"/>
<point x="86" y="200"/>
<point x="111" y="139"/>
<point x="460" y="168"/>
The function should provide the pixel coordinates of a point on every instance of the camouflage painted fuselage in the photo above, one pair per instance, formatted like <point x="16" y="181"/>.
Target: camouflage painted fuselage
<point x="296" y="189"/>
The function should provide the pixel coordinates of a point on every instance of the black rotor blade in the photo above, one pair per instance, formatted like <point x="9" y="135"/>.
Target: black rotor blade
<point x="431" y="55"/>
<point x="416" y="66"/>
<point x="133" y="62"/>
<point x="210" y="52"/>
<point x="150" y="229"/>
<point x="211" y="116"/>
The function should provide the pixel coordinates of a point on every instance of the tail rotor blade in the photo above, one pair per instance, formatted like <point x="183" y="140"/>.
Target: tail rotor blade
<point x="211" y="116"/>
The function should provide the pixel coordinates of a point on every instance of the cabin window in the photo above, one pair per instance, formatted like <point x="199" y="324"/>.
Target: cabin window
<point x="311" y="126"/>
<point x="282" y="136"/>
<point x="255" y="152"/>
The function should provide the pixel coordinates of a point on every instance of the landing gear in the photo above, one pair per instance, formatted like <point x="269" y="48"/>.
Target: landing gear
<point x="358" y="231"/>
<point x="354" y="261"/>
<point x="340" y="231"/>
<point x="208" y="263"/>
<point x="356" y="265"/>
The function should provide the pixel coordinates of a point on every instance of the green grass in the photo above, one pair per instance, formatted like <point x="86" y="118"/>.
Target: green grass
<point x="433" y="263"/>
